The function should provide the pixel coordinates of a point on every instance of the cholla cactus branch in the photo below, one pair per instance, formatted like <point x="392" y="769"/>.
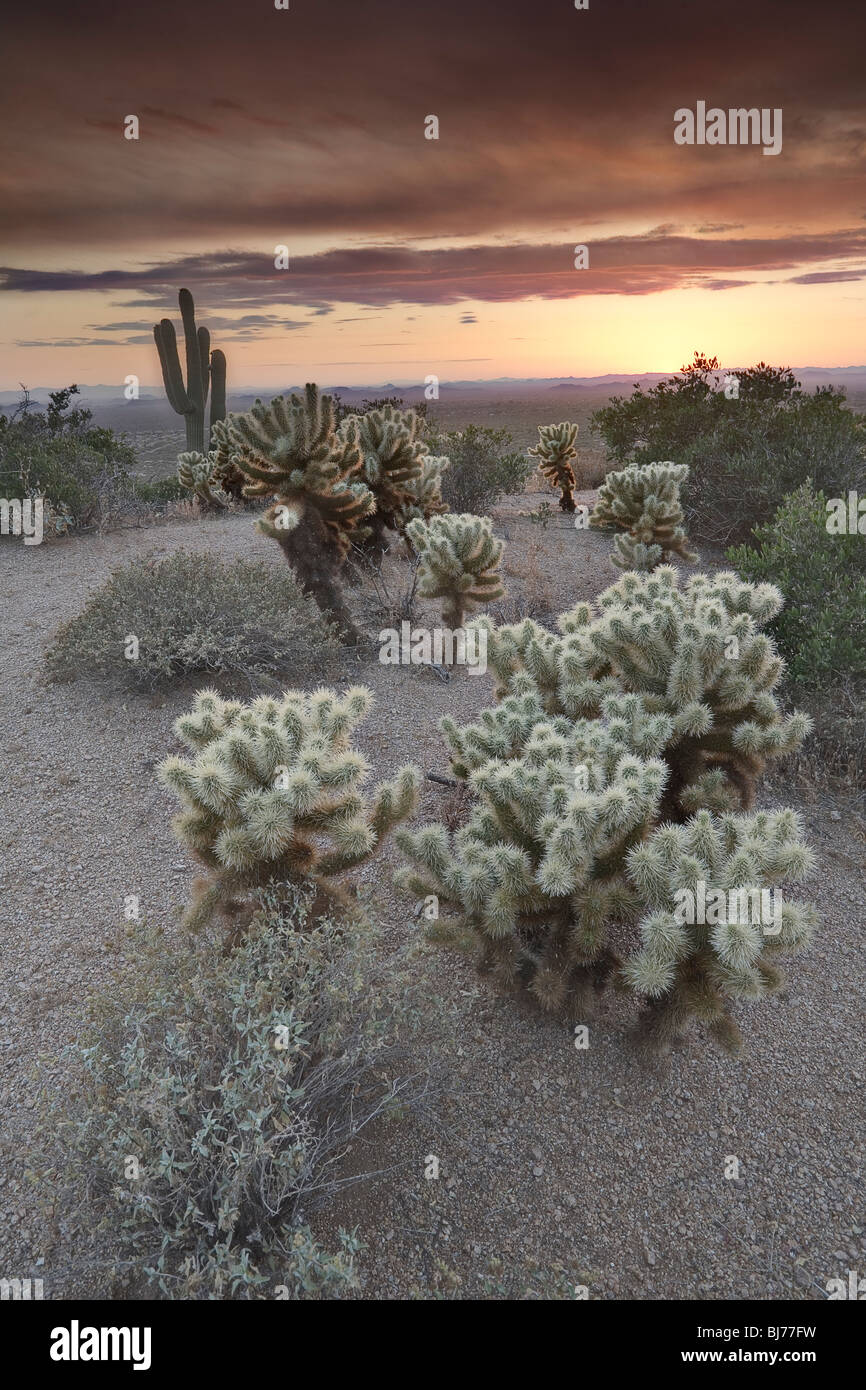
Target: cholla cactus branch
<point x="644" y="505"/>
<point x="274" y="792"/>
<point x="460" y="560"/>
<point x="197" y="472"/>
<point x="397" y="468"/>
<point x="695" y="653"/>
<point x="555" y="452"/>
<point x="694" y="958"/>
<point x="536" y="875"/>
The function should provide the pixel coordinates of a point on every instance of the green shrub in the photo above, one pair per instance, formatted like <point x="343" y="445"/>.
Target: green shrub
<point x="84" y="471"/>
<point x="744" y="454"/>
<point x="218" y="1093"/>
<point x="192" y="613"/>
<point x="821" y="631"/>
<point x="483" y="468"/>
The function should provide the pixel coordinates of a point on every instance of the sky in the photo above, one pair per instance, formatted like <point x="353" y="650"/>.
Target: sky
<point x="304" y="128"/>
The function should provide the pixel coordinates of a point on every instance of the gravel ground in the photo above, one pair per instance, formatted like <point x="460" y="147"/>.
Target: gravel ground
<point x="546" y="1153"/>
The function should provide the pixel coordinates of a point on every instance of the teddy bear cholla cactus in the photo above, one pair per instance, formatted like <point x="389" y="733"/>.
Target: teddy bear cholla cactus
<point x="644" y="504"/>
<point x="197" y="472"/>
<point x="394" y="461"/>
<point x="694" y="969"/>
<point x="213" y="477"/>
<point x="555" y="452"/>
<point x="274" y="792"/>
<point x="537" y="873"/>
<point x="564" y="843"/>
<point x="696" y="653"/>
<point x="423" y="495"/>
<point x="460" y="560"/>
<point x="290" y="450"/>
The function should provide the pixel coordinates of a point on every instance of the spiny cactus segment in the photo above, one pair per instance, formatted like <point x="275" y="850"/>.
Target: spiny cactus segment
<point x="274" y="791"/>
<point x="643" y="503"/>
<point x="555" y="452"/>
<point x="460" y="560"/>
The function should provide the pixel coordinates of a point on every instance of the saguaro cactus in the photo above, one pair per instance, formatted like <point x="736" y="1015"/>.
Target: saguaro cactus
<point x="643" y="503"/>
<point x="555" y="451"/>
<point x="274" y="792"/>
<point x="459" y="563"/>
<point x="290" y="450"/>
<point x="205" y="372"/>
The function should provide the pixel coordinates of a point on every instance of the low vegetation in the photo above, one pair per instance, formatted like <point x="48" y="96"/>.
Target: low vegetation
<point x="156" y="622"/>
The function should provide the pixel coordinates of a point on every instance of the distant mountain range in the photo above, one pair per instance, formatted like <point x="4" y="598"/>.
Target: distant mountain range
<point x="152" y="397"/>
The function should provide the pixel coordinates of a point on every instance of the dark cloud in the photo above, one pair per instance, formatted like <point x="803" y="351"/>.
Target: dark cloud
<point x="266" y="123"/>
<point x="391" y="274"/>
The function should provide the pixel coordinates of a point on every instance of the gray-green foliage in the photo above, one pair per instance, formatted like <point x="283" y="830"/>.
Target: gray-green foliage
<point x="483" y="466"/>
<point x="192" y="613"/>
<point x="235" y="1082"/>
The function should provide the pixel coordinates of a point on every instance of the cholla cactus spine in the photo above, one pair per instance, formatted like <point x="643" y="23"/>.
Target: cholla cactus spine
<point x="274" y="791"/>
<point x="460" y="560"/>
<point x="555" y="452"/>
<point x="644" y="504"/>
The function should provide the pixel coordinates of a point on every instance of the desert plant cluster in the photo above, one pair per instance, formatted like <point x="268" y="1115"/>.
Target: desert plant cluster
<point x="612" y="776"/>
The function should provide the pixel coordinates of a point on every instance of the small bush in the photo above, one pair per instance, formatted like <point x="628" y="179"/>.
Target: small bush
<point x="217" y="1096"/>
<point x="745" y="454"/>
<point x="484" y="467"/>
<point x="82" y="470"/>
<point x="821" y="631"/>
<point x="192" y="613"/>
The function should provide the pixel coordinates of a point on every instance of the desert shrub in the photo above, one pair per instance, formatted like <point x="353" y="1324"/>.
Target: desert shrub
<point x="216" y="1098"/>
<point x="84" y="471"/>
<point x="821" y="631"/>
<point x="192" y="614"/>
<point x="744" y="454"/>
<point x="483" y="468"/>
